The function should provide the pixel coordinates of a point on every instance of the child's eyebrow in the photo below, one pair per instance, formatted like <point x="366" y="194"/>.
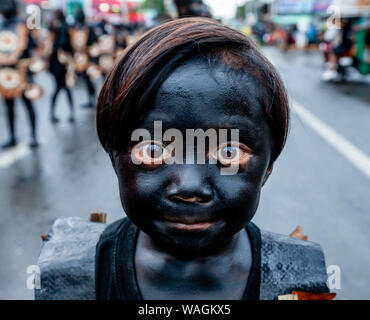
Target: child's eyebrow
<point x="158" y="116"/>
<point x="234" y="121"/>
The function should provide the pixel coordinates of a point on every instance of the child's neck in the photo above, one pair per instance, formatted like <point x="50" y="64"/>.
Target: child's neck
<point x="222" y="275"/>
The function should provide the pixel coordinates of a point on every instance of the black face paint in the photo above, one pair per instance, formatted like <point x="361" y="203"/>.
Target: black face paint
<point x="161" y="200"/>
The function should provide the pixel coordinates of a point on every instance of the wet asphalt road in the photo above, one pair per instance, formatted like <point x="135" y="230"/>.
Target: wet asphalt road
<point x="312" y="185"/>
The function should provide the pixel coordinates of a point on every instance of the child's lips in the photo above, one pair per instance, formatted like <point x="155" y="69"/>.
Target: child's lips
<point x="193" y="226"/>
<point x="189" y="223"/>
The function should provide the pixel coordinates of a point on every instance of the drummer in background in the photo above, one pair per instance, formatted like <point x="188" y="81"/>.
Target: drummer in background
<point x="15" y="45"/>
<point x="83" y="37"/>
<point x="121" y="37"/>
<point x="106" y="46"/>
<point x="61" y="44"/>
<point x="101" y="27"/>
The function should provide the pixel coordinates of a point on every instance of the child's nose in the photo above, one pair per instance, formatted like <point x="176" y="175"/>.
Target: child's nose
<point x="190" y="185"/>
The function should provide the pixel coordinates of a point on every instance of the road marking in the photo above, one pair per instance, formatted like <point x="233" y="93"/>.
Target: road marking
<point x="8" y="157"/>
<point x="353" y="154"/>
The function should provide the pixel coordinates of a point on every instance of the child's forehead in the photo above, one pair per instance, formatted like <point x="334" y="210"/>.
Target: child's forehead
<point x="203" y="76"/>
<point x="200" y="90"/>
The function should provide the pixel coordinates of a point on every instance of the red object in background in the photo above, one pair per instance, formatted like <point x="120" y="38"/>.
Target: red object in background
<point x="314" y="296"/>
<point x="134" y="16"/>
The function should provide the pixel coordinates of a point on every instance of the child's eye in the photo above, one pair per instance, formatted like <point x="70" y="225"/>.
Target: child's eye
<point x="151" y="152"/>
<point x="231" y="153"/>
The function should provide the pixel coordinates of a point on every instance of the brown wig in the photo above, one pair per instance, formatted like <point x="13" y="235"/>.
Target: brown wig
<point x="130" y="87"/>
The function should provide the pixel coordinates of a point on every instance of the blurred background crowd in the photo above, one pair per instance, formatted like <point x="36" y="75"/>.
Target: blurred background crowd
<point x="54" y="55"/>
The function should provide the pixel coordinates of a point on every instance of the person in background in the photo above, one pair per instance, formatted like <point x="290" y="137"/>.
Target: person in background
<point x="101" y="27"/>
<point x="15" y="44"/>
<point x="289" y="40"/>
<point x="329" y="37"/>
<point x="341" y="44"/>
<point x="83" y="37"/>
<point x="311" y="36"/>
<point x="120" y="36"/>
<point x="259" y="30"/>
<point x="61" y="42"/>
<point x="192" y="8"/>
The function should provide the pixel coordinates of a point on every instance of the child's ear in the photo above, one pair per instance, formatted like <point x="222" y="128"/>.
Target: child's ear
<point x="268" y="172"/>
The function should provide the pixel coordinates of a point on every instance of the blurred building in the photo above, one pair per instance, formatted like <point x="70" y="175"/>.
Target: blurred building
<point x="294" y="11"/>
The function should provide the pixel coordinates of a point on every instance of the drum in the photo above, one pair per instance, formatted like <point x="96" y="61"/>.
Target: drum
<point x="63" y="57"/>
<point x="37" y="65"/>
<point x="106" y="62"/>
<point x="8" y="41"/>
<point x="94" y="72"/>
<point x="79" y="39"/>
<point x="106" y="44"/>
<point x="33" y="91"/>
<point x="94" y="50"/>
<point x="12" y="82"/>
<point x="118" y="52"/>
<point x="81" y="60"/>
<point x="12" y="44"/>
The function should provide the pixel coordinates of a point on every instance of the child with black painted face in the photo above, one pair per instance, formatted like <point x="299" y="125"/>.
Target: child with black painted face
<point x="188" y="233"/>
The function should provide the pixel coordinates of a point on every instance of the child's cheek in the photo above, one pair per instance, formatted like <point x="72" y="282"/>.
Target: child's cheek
<point x="255" y="168"/>
<point x="126" y="172"/>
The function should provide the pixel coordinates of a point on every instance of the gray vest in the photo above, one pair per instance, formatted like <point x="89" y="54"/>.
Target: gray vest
<point x="67" y="263"/>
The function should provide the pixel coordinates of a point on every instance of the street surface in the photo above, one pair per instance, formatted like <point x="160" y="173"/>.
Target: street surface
<point x="321" y="181"/>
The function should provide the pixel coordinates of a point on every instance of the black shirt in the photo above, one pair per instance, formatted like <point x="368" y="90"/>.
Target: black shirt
<point x="115" y="276"/>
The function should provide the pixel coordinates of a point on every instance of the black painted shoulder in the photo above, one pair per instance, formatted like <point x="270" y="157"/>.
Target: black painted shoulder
<point x="289" y="264"/>
<point x="113" y="228"/>
<point x="105" y="269"/>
